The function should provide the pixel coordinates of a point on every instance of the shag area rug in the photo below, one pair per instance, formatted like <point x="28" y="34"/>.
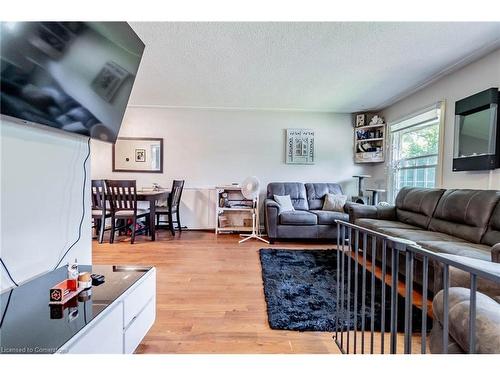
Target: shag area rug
<point x="300" y="288"/>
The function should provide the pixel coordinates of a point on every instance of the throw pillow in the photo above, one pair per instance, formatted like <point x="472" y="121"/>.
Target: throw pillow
<point x="285" y="203"/>
<point x="334" y="202"/>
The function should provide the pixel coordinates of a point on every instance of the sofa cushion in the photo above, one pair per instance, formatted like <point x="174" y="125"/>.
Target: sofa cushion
<point x="417" y="235"/>
<point x="329" y="217"/>
<point x="466" y="249"/>
<point x="415" y="206"/>
<point x="464" y="213"/>
<point x="492" y="235"/>
<point x="375" y="224"/>
<point x="296" y="191"/>
<point x="284" y="202"/>
<point x="316" y="193"/>
<point x="334" y="202"/>
<point x="298" y="217"/>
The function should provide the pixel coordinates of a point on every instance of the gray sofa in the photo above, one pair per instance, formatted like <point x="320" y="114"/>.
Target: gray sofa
<point x="455" y="221"/>
<point x="460" y="223"/>
<point x="308" y="221"/>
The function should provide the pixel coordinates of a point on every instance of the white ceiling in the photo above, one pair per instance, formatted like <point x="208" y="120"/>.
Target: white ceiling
<point x="334" y="66"/>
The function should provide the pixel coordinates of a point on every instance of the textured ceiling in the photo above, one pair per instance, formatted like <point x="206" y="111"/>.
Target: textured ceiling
<point x="339" y="67"/>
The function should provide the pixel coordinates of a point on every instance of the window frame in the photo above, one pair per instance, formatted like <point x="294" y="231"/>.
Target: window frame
<point x="397" y="129"/>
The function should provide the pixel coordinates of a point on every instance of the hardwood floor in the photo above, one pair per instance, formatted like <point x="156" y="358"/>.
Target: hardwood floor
<point x="210" y="297"/>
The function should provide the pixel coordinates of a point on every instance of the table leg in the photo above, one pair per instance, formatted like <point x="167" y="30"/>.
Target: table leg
<point x="152" y="219"/>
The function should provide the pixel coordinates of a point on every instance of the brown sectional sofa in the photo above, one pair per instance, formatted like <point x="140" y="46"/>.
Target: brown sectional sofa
<point x="462" y="222"/>
<point x="455" y="221"/>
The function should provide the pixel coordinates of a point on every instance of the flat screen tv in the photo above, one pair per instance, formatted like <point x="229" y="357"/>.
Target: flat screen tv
<point x="73" y="76"/>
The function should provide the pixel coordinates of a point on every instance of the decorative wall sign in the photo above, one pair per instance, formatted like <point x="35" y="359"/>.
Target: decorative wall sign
<point x="299" y="146"/>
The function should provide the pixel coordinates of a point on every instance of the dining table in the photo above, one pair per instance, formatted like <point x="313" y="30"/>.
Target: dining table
<point x="152" y="196"/>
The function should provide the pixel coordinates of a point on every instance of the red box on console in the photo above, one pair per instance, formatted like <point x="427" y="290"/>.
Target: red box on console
<point x="61" y="291"/>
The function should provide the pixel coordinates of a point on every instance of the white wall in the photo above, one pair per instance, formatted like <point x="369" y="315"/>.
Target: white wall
<point x="475" y="77"/>
<point x="211" y="147"/>
<point x="41" y="200"/>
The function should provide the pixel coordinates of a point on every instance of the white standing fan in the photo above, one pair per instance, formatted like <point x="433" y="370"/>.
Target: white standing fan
<point x="250" y="189"/>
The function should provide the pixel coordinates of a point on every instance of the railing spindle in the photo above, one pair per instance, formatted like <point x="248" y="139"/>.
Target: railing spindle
<point x="394" y="297"/>
<point x="382" y="322"/>
<point x="355" y="304"/>
<point x="425" y="284"/>
<point x="408" y="301"/>
<point x="340" y="239"/>
<point x="446" y="292"/>
<point x="472" y="314"/>
<point x="372" y="302"/>
<point x="342" y="291"/>
<point x="363" y="293"/>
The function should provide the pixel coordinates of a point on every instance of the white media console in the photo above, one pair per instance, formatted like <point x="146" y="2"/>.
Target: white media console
<point x="122" y="325"/>
<point x="112" y="317"/>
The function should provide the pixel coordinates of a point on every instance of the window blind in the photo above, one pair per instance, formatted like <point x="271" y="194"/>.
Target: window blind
<point x="428" y="115"/>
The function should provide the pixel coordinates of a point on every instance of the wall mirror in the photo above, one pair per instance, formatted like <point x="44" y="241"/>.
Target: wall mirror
<point x="138" y="155"/>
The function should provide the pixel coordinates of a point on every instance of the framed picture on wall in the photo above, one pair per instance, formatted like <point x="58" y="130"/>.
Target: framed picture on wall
<point x="299" y="146"/>
<point x="361" y="120"/>
<point x="140" y="155"/>
<point x="136" y="154"/>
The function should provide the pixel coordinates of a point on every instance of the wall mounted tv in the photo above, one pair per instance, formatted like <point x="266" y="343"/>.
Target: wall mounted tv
<point x="74" y="76"/>
<point x="477" y="132"/>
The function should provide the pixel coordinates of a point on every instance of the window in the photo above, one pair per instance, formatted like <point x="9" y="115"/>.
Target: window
<point x="414" y="151"/>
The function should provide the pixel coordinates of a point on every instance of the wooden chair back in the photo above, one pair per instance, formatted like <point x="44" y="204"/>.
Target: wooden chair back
<point x="98" y="188"/>
<point x="122" y="195"/>
<point x="174" y="199"/>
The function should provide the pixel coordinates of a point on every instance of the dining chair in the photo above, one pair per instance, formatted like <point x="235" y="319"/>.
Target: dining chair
<point x="172" y="207"/>
<point x="100" y="212"/>
<point x="123" y="198"/>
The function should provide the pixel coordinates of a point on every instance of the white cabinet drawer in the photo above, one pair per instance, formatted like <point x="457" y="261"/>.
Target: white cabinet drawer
<point x="139" y="326"/>
<point x="136" y="300"/>
<point x="104" y="337"/>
